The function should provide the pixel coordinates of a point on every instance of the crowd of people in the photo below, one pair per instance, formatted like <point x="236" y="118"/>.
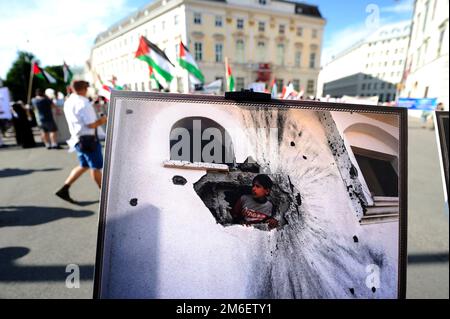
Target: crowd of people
<point x="83" y="116"/>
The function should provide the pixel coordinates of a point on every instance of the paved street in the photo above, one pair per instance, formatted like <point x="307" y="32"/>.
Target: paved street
<point x="41" y="234"/>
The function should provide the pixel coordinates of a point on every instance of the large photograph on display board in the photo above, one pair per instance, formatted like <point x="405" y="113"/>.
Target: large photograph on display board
<point x="442" y="136"/>
<point x="205" y="197"/>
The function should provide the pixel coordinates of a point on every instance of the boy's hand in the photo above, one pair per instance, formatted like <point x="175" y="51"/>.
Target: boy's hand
<point x="273" y="223"/>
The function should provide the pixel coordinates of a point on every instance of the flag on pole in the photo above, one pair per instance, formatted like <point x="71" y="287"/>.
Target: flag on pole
<point x="273" y="92"/>
<point x="288" y="90"/>
<point x="187" y="62"/>
<point x="68" y="75"/>
<point x="105" y="91"/>
<point x="229" y="76"/>
<point x="157" y="59"/>
<point x="42" y="74"/>
<point x="151" y="73"/>
<point x="115" y="86"/>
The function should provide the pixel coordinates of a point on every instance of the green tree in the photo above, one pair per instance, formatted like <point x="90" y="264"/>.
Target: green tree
<point x="18" y="77"/>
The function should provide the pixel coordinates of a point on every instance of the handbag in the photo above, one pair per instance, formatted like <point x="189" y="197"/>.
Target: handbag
<point x="87" y="143"/>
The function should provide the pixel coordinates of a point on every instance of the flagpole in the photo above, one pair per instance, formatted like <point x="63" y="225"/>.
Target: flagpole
<point x="226" y="74"/>
<point x="30" y="83"/>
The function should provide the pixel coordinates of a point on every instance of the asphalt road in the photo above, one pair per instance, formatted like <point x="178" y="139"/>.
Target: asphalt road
<point x="40" y="234"/>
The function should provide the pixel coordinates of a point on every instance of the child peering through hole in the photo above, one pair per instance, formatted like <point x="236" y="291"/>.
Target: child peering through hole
<point x="256" y="208"/>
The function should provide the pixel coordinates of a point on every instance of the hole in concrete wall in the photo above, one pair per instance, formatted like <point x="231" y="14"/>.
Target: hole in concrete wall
<point x="179" y="180"/>
<point x="133" y="201"/>
<point x="353" y="172"/>
<point x="292" y="143"/>
<point x="220" y="191"/>
<point x="352" y="291"/>
<point x="304" y="157"/>
<point x="355" y="239"/>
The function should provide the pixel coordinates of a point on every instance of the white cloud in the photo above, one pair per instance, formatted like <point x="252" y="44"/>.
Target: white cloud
<point x="404" y="6"/>
<point x="55" y="30"/>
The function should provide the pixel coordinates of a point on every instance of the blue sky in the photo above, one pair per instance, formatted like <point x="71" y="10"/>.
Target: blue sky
<point x="57" y="30"/>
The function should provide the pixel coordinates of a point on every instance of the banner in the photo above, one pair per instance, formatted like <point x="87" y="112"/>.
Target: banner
<point x="5" y="110"/>
<point x="425" y="104"/>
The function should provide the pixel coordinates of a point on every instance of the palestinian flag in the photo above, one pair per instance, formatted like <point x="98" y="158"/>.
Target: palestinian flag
<point x="105" y="91"/>
<point x="42" y="74"/>
<point x="274" y="90"/>
<point x="187" y="62"/>
<point x="229" y="76"/>
<point x="151" y="73"/>
<point x="68" y="75"/>
<point x="157" y="59"/>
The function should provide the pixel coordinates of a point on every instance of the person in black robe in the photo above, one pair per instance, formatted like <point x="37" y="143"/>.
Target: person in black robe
<point x="22" y="126"/>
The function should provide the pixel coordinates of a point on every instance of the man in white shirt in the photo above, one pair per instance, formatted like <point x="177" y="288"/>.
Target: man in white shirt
<point x="82" y="122"/>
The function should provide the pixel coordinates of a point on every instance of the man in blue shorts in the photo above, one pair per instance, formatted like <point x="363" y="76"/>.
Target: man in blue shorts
<point x="82" y="121"/>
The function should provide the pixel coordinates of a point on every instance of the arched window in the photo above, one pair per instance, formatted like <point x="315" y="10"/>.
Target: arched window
<point x="200" y="139"/>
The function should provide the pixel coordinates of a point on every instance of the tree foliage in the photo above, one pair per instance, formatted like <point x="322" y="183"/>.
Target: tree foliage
<point x="18" y="76"/>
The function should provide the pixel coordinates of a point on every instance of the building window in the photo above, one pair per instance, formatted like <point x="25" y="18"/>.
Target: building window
<point x="219" y="52"/>
<point x="310" y="87"/>
<point x="280" y="84"/>
<point x="375" y="86"/>
<point x="299" y="31"/>
<point x="240" y="84"/>
<point x="296" y="84"/>
<point x="198" y="51"/>
<point x="240" y="24"/>
<point x="261" y="51"/>
<point x="219" y="21"/>
<point x="363" y="86"/>
<point x="390" y="86"/>
<point x="280" y="54"/>
<point x="427" y="4"/>
<point x="263" y="2"/>
<point x="314" y="33"/>
<point x="382" y="85"/>
<point x="378" y="171"/>
<point x="312" y="60"/>
<point x="441" y="39"/>
<point x="381" y="98"/>
<point x="261" y="26"/>
<point x="197" y="18"/>
<point x="298" y="59"/>
<point x="388" y="97"/>
<point x="182" y="141"/>
<point x="369" y="86"/>
<point x="281" y="28"/>
<point x="175" y="19"/>
<point x="240" y="51"/>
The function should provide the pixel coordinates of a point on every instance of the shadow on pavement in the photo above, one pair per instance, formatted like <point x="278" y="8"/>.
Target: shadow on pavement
<point x="35" y="215"/>
<point x="11" y="172"/>
<point x="10" y="272"/>
<point x="428" y="258"/>
<point x="85" y="203"/>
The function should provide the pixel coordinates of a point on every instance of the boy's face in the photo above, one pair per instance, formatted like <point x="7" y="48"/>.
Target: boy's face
<point x="258" y="191"/>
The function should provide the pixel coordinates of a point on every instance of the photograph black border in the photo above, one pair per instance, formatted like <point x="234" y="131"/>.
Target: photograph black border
<point x="402" y="113"/>
<point x="441" y="137"/>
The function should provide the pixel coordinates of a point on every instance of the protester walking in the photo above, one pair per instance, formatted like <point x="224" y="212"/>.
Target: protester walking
<point x="82" y="121"/>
